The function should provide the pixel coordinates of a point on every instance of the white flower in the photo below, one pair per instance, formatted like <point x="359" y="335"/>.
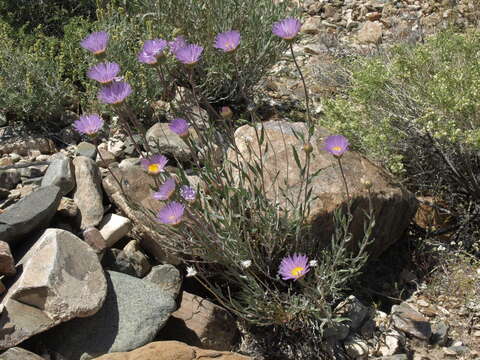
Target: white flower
<point x="313" y="263"/>
<point x="246" y="263"/>
<point x="191" y="271"/>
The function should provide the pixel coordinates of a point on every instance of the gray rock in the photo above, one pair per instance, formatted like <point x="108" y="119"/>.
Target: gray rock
<point x="61" y="279"/>
<point x="131" y="316"/>
<point x="9" y="178"/>
<point x="440" y="333"/>
<point x="115" y="260"/>
<point x="17" y="353"/>
<point x="60" y="173"/>
<point x="32" y="212"/>
<point x="354" y="310"/>
<point x="164" y="141"/>
<point x="88" y="194"/>
<point x="33" y="181"/>
<point x="410" y="321"/>
<point x="32" y="171"/>
<point x="86" y="149"/>
<point x="167" y="278"/>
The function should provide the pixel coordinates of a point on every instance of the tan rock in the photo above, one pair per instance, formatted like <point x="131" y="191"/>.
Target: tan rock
<point x="67" y="207"/>
<point x="312" y="25"/>
<point x="172" y="350"/>
<point x="370" y="33"/>
<point x="7" y="264"/>
<point x="17" y="353"/>
<point x="27" y="145"/>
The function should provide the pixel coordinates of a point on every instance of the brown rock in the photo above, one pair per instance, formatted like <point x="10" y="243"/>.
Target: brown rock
<point x="199" y="322"/>
<point x="7" y="264"/>
<point x="172" y="350"/>
<point x="429" y="216"/>
<point x="17" y="353"/>
<point x="67" y="208"/>
<point x="312" y="25"/>
<point x="137" y="258"/>
<point x="370" y="33"/>
<point x="94" y="238"/>
<point x="27" y="145"/>
<point x="410" y="321"/>
<point x="105" y="158"/>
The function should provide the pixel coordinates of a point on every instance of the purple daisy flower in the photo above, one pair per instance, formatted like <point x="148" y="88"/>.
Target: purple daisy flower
<point x="171" y="214"/>
<point x="96" y="42"/>
<point x="190" y="54"/>
<point x="151" y="51"/>
<point x="336" y="145"/>
<point x="165" y="190"/>
<point x="115" y="92"/>
<point x="178" y="43"/>
<point x="287" y="29"/>
<point x="227" y="41"/>
<point x="155" y="164"/>
<point x="88" y="124"/>
<point x="179" y="126"/>
<point x="187" y="193"/>
<point x="293" y="267"/>
<point x="104" y="72"/>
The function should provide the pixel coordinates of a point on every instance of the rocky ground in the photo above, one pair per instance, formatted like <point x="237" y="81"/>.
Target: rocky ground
<point x="82" y="274"/>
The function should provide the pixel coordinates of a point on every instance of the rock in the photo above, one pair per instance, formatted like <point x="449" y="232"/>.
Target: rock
<point x="173" y="350"/>
<point x="2" y="290"/>
<point x="370" y="33"/>
<point x="167" y="278"/>
<point x="88" y="194"/>
<point x="17" y="353"/>
<point x="32" y="171"/>
<point x="356" y="347"/>
<point x="162" y="140"/>
<point x="94" y="238"/>
<point x="133" y="313"/>
<point x="393" y="206"/>
<point x="9" y="178"/>
<point x="312" y="25"/>
<point x="67" y="208"/>
<point x="4" y="193"/>
<point x="60" y="172"/>
<point x="440" y="333"/>
<point x="336" y="331"/>
<point x="62" y="279"/>
<point x="354" y="310"/>
<point x="24" y="146"/>
<point x="393" y="357"/>
<point x="7" y="263"/>
<point x="116" y="146"/>
<point x="115" y="260"/>
<point x="198" y="322"/>
<point x="32" y="212"/>
<point x="114" y="227"/>
<point x="137" y="258"/>
<point x="393" y="343"/>
<point x="456" y="350"/>
<point x="410" y="321"/>
<point x="105" y="158"/>
<point x="87" y="149"/>
<point x="129" y="162"/>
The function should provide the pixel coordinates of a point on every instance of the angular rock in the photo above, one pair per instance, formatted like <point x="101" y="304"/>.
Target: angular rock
<point x="115" y="260"/>
<point x="392" y="205"/>
<point x="393" y="343"/>
<point x="88" y="194"/>
<point x="410" y="321"/>
<point x="87" y="149"/>
<point x="32" y="171"/>
<point x="9" y="178"/>
<point x="67" y="208"/>
<point x="32" y="212"/>
<point x="133" y="312"/>
<point x="105" y="158"/>
<point x="162" y="140"/>
<point x="137" y="258"/>
<point x="356" y="347"/>
<point x="25" y="145"/>
<point x="440" y="333"/>
<point x="17" y="353"/>
<point x="354" y="310"/>
<point x="198" y="322"/>
<point x="62" y="279"/>
<point x="370" y="33"/>
<point x="114" y="227"/>
<point x="166" y="277"/>
<point x="94" y="238"/>
<point x="60" y="172"/>
<point x="173" y="350"/>
<point x="7" y="264"/>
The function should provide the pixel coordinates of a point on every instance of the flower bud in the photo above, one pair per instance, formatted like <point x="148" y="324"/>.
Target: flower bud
<point x="308" y="148"/>
<point x="226" y="112"/>
<point x="366" y="183"/>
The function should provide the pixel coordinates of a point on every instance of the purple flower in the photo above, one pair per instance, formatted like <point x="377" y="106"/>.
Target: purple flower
<point x="178" y="43"/>
<point x="165" y="190"/>
<point x="227" y="41"/>
<point x="179" y="126"/>
<point x="152" y="50"/>
<point x="88" y="124"/>
<point x="155" y="164"/>
<point x="171" y="214"/>
<point x="104" y="72"/>
<point x="96" y="42"/>
<point x="293" y="267"/>
<point x="187" y="193"/>
<point x="287" y="28"/>
<point x="115" y="92"/>
<point x="336" y="145"/>
<point x="189" y="54"/>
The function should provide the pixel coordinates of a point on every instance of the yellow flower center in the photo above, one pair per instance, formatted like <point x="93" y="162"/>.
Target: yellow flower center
<point x="297" y="271"/>
<point x="153" y="168"/>
<point x="336" y="148"/>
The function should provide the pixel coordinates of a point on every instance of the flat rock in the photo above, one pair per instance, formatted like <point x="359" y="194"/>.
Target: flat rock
<point x="410" y="321"/>
<point x="17" y="353"/>
<point x="114" y="227"/>
<point x="27" y="145"/>
<point x="61" y="279"/>
<point x="32" y="212"/>
<point x="88" y="194"/>
<point x="133" y="312"/>
<point x="162" y="140"/>
<point x="87" y="149"/>
<point x="60" y="172"/>
<point x="166" y="277"/>
<point x="7" y="264"/>
<point x="173" y="350"/>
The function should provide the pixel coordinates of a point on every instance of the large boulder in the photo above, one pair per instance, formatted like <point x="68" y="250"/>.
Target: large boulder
<point x="88" y="194"/>
<point x="133" y="313"/>
<point x="32" y="212"/>
<point x="61" y="279"/>
<point x="393" y="206"/>
<point x="60" y="173"/>
<point x="173" y="350"/>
